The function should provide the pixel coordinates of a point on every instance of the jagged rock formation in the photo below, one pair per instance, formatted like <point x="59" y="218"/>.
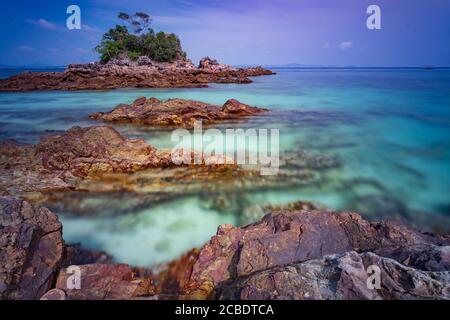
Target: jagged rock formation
<point x="31" y="249"/>
<point x="320" y="255"/>
<point x="127" y="74"/>
<point x="176" y="112"/>
<point x="286" y="255"/>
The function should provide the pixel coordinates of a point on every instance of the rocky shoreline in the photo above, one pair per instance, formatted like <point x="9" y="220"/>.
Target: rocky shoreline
<point x="299" y="251"/>
<point x="125" y="73"/>
<point x="306" y="254"/>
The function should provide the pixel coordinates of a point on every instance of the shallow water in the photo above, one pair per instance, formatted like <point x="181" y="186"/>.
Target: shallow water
<point x="389" y="129"/>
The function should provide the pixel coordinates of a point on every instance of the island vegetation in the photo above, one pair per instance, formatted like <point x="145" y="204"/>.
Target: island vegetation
<point x="138" y="39"/>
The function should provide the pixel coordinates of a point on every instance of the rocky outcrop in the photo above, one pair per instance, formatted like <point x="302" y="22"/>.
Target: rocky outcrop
<point x="286" y="255"/>
<point x="339" y="277"/>
<point x="31" y="249"/>
<point x="121" y="73"/>
<point x="61" y="162"/>
<point x="209" y="64"/>
<point x="320" y="254"/>
<point x="176" y="112"/>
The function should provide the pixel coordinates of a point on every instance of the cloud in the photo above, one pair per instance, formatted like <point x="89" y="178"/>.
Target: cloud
<point x="89" y="28"/>
<point x="345" y="45"/>
<point x="81" y="51"/>
<point x="326" y="46"/>
<point x="42" y="23"/>
<point x="25" y="48"/>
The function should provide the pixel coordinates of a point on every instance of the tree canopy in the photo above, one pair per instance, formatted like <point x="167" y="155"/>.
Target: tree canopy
<point x="143" y="41"/>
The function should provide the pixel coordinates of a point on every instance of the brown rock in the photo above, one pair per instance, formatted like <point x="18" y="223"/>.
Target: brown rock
<point x="93" y="150"/>
<point x="284" y="238"/>
<point x="77" y="255"/>
<point x="339" y="277"/>
<point x="31" y="249"/>
<point x="104" y="282"/>
<point x="54" y="294"/>
<point x="176" y="112"/>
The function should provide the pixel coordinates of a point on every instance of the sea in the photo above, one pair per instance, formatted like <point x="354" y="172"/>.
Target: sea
<point x="388" y="128"/>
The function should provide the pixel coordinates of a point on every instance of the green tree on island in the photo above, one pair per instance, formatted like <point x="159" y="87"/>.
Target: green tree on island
<point x="143" y="41"/>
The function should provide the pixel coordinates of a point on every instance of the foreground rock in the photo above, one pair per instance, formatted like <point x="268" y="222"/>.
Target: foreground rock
<point x="286" y="255"/>
<point x="176" y="112"/>
<point x="320" y="255"/>
<point x="104" y="282"/>
<point x="120" y="74"/>
<point x="339" y="277"/>
<point x="31" y="249"/>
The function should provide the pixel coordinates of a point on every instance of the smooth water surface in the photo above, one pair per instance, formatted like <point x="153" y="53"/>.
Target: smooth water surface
<point x="389" y="129"/>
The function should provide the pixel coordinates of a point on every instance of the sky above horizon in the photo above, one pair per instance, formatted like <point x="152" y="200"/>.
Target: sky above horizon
<point x="308" y="32"/>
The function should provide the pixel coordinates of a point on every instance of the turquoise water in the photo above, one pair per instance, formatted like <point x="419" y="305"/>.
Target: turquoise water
<point x="389" y="129"/>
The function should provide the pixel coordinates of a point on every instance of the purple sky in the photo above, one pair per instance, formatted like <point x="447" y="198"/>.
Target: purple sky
<point x="309" y="32"/>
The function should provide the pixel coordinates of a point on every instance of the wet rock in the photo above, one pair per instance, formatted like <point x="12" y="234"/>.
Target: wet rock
<point x="104" y="282"/>
<point x="92" y="150"/>
<point x="339" y="277"/>
<point x="31" y="249"/>
<point x="76" y="255"/>
<point x="175" y="276"/>
<point x="255" y="213"/>
<point x="54" y="294"/>
<point x="176" y="112"/>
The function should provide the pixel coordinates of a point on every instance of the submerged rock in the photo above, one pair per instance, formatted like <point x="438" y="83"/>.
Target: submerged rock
<point x="63" y="168"/>
<point x="124" y="73"/>
<point x="175" y="112"/>
<point x="31" y="249"/>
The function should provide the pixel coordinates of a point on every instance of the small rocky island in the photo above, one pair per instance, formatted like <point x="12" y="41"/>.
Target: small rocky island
<point x="125" y="73"/>
<point x="134" y="57"/>
<point x="176" y="112"/>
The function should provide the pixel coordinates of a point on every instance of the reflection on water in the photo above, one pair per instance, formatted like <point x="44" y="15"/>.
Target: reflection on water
<point x="389" y="131"/>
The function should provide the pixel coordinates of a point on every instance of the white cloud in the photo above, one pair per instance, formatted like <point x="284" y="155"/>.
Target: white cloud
<point x="326" y="46"/>
<point x="42" y="23"/>
<point x="81" y="51"/>
<point x="89" y="28"/>
<point x="25" y="48"/>
<point x="345" y="45"/>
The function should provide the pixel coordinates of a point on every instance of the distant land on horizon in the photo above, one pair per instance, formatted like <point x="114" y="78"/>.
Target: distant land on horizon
<point x="38" y="65"/>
